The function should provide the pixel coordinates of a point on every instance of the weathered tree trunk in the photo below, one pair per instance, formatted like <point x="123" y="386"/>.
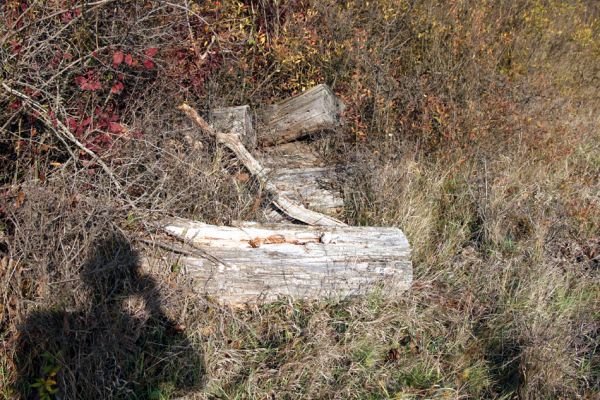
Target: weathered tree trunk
<point x="311" y="187"/>
<point x="253" y="262"/>
<point x="297" y="172"/>
<point x="290" y="155"/>
<point x="314" y="110"/>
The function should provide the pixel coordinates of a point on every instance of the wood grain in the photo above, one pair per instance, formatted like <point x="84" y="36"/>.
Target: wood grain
<point x="314" y="110"/>
<point x="234" y="120"/>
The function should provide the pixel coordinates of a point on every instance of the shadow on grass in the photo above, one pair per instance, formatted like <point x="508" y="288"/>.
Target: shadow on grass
<point x="121" y="345"/>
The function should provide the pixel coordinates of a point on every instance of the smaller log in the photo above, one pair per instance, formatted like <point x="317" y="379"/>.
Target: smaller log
<point x="234" y="120"/>
<point x="315" y="110"/>
<point x="311" y="187"/>
<point x="299" y="154"/>
<point x="298" y="173"/>
<point x="254" y="262"/>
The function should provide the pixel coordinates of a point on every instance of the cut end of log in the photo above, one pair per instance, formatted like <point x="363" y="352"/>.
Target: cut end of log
<point x="315" y="110"/>
<point x="235" y="120"/>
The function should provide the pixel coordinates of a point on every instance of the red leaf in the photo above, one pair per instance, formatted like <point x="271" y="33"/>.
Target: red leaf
<point x="66" y="17"/>
<point x="53" y="118"/>
<point x="86" y="121"/>
<point x="95" y="85"/>
<point x="128" y="59"/>
<point x="93" y="147"/>
<point x="104" y="139"/>
<point x="151" y="52"/>
<point x="138" y="134"/>
<point x="15" y="105"/>
<point x="117" y="88"/>
<point x="80" y="81"/>
<point x="15" y="46"/>
<point x="115" y="127"/>
<point x="88" y="83"/>
<point x="117" y="58"/>
<point x="148" y="64"/>
<point x="72" y="123"/>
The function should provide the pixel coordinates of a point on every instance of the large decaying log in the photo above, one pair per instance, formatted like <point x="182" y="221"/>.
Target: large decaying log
<point x="314" y="110"/>
<point x="283" y="203"/>
<point x="253" y="262"/>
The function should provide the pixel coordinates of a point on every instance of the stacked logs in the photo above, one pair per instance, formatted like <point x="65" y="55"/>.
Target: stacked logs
<point x="303" y="251"/>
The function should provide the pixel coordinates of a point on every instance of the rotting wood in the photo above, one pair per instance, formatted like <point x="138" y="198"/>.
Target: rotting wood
<point x="314" y="110"/>
<point x="251" y="262"/>
<point x="290" y="155"/>
<point x="282" y="202"/>
<point x="299" y="174"/>
<point x="234" y="120"/>
<point x="254" y="262"/>
<point x="311" y="187"/>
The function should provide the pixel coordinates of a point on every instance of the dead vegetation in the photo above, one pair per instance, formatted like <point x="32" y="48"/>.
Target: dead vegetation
<point x="471" y="125"/>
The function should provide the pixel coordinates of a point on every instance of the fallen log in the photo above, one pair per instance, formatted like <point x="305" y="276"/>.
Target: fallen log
<point x="298" y="173"/>
<point x="315" y="110"/>
<point x="311" y="187"/>
<point x="254" y="262"/>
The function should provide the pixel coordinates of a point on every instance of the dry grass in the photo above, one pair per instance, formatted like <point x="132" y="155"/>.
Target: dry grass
<point x="472" y="125"/>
